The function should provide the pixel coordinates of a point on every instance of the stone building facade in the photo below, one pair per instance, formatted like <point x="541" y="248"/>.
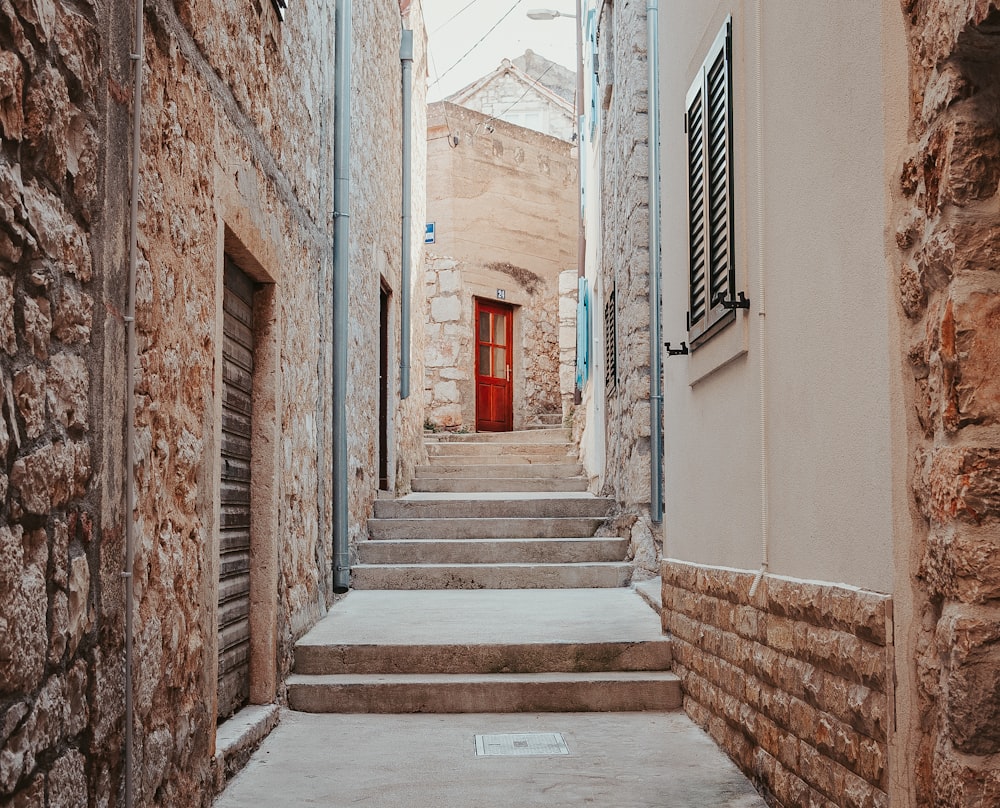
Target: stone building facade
<point x="233" y="288"/>
<point x="502" y="199"/>
<point x="529" y="91"/>
<point x="615" y="439"/>
<point x="946" y="231"/>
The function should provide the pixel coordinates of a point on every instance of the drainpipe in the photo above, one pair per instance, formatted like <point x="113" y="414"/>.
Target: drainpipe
<point x="655" y="370"/>
<point x="406" y="57"/>
<point x="761" y="317"/>
<point x="341" y="284"/>
<point x="130" y="362"/>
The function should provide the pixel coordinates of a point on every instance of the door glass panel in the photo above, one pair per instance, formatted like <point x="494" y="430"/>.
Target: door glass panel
<point x="500" y="363"/>
<point x="500" y="329"/>
<point x="484" y="326"/>
<point x="484" y="360"/>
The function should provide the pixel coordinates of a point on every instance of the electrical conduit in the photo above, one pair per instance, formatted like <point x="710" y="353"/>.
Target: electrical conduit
<point x="341" y="289"/>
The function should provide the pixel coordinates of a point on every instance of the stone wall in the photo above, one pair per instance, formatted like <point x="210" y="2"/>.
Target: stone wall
<point x="946" y="229"/>
<point x="624" y="252"/>
<point x="237" y="159"/>
<point x="504" y="203"/>
<point x="568" y="294"/>
<point x="793" y="682"/>
<point x="451" y="288"/>
<point x="508" y="98"/>
<point x="62" y="259"/>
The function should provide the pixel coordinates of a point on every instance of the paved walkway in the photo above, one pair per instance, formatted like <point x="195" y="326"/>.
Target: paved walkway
<point x="614" y="760"/>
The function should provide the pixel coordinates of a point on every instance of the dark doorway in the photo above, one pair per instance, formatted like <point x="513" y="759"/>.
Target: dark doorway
<point x="383" y="391"/>
<point x="234" y="471"/>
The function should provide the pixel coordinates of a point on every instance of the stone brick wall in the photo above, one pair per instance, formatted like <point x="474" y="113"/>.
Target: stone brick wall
<point x="946" y="229"/>
<point x="62" y="264"/>
<point x="568" y="294"/>
<point x="504" y="202"/>
<point x="451" y="287"/>
<point x="794" y="683"/>
<point x="624" y="257"/>
<point x="237" y="157"/>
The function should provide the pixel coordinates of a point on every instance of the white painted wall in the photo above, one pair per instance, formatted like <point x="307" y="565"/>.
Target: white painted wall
<point x="827" y="340"/>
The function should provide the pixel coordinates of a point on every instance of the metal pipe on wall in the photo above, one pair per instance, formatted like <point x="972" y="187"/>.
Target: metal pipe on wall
<point x="655" y="369"/>
<point x="406" y="57"/>
<point x="130" y="362"/>
<point x="341" y="290"/>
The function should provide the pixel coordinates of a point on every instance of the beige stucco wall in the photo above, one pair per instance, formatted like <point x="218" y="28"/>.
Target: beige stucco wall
<point x="822" y="197"/>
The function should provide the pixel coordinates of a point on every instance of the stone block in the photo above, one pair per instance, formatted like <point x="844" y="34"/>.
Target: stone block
<point x="47" y="114"/>
<point x="23" y="607"/>
<point x="37" y="313"/>
<point x="962" y="563"/>
<point x="446" y="392"/>
<point x="59" y="237"/>
<point x="29" y="393"/>
<point x="50" y="476"/>
<point x="73" y="317"/>
<point x="449" y="281"/>
<point x="67" y="782"/>
<point x="972" y="698"/>
<point x="961" y="484"/>
<point x="446" y="309"/>
<point x="11" y="92"/>
<point x="79" y="616"/>
<point x="973" y="161"/>
<point x="8" y="336"/>
<point x="68" y="391"/>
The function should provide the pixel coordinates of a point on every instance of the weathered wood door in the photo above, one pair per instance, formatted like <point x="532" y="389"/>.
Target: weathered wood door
<point x="234" y="470"/>
<point x="494" y="365"/>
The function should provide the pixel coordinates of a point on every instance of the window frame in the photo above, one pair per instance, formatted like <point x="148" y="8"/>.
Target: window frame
<point x="711" y="232"/>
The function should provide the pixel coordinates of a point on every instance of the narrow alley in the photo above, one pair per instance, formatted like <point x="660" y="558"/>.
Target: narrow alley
<point x="441" y="402"/>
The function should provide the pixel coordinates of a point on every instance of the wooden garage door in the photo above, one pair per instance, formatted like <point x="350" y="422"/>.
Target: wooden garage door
<point x="234" y="521"/>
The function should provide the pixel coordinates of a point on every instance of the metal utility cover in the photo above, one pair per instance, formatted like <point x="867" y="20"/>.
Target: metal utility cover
<point x="522" y="744"/>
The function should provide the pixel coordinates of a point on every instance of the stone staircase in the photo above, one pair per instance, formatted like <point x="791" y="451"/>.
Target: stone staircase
<point x="487" y="590"/>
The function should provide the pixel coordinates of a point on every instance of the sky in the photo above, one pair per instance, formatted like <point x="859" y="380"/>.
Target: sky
<point x="455" y="27"/>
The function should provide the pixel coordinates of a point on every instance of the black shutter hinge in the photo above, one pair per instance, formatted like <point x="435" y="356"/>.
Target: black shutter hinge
<point x="741" y="301"/>
<point x="682" y="351"/>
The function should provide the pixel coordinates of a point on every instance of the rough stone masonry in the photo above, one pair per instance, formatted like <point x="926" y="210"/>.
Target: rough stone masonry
<point x="949" y="241"/>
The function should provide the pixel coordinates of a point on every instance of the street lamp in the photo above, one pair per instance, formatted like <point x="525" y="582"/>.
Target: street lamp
<point x="548" y="14"/>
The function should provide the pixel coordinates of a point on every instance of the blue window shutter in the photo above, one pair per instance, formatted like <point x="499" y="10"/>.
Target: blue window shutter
<point x="582" y="333"/>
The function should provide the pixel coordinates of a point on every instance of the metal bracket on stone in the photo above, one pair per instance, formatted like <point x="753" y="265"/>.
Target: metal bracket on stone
<point x="682" y="351"/>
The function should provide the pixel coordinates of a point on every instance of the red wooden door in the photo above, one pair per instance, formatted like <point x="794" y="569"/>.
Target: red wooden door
<point x="494" y="391"/>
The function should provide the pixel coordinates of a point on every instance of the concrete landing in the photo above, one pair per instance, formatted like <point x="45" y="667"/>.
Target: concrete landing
<point x="432" y="617"/>
<point x="637" y="760"/>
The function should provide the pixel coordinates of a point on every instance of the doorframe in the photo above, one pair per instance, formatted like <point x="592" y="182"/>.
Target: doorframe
<point x="480" y="303"/>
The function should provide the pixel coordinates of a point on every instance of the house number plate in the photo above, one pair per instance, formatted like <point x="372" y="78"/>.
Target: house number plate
<point x="501" y="294"/>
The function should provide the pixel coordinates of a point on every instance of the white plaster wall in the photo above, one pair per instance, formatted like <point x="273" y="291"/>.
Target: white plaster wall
<point x="827" y="339"/>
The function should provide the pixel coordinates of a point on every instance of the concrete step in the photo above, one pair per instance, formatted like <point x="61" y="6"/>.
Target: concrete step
<point x="612" y="691"/>
<point x="591" y="575"/>
<point x="527" y="657"/>
<point x="501" y="461"/>
<point x="491" y="450"/>
<point x="548" y="434"/>
<point x="487" y="506"/>
<point x="476" y="485"/>
<point x="492" y="551"/>
<point x="439" y="469"/>
<point x="484" y="528"/>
